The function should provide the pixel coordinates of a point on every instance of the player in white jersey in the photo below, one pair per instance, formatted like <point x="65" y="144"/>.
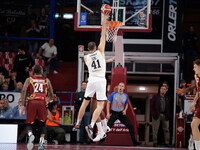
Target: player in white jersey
<point x="96" y="64"/>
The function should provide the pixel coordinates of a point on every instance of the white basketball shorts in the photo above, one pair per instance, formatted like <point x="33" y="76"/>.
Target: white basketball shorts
<point x="98" y="86"/>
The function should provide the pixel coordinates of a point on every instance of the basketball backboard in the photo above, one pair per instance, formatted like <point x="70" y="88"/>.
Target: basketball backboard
<point x="134" y="15"/>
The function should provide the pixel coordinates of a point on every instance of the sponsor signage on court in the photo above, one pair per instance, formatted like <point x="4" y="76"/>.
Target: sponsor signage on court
<point x="119" y="127"/>
<point x="83" y="19"/>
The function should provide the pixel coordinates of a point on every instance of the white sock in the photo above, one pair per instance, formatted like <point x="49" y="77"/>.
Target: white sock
<point x="92" y="124"/>
<point x="78" y="122"/>
<point x="99" y="127"/>
<point x="30" y="133"/>
<point x="196" y="145"/>
<point x="104" y="122"/>
<point x="42" y="139"/>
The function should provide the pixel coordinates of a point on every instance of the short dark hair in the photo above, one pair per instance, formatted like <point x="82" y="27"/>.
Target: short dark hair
<point x="22" y="47"/>
<point x="197" y="62"/>
<point x="165" y="82"/>
<point x="37" y="69"/>
<point x="51" y="104"/>
<point x="91" y="45"/>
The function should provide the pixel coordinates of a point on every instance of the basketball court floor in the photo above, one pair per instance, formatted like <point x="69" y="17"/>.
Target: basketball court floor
<point x="83" y="147"/>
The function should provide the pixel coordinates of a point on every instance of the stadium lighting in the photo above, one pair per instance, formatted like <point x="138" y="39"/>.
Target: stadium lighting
<point x="57" y="15"/>
<point x="142" y="88"/>
<point x="68" y="16"/>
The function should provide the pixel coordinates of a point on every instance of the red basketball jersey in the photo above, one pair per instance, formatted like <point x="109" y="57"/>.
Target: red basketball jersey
<point x="37" y="88"/>
<point x="197" y="106"/>
<point x="197" y="83"/>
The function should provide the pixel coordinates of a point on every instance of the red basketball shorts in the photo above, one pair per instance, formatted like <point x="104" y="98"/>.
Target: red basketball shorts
<point x="36" y="108"/>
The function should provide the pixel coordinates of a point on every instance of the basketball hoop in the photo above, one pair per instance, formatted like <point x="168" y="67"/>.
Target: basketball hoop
<point x="112" y="28"/>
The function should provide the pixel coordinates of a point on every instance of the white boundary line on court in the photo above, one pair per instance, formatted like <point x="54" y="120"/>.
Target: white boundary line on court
<point x="124" y="147"/>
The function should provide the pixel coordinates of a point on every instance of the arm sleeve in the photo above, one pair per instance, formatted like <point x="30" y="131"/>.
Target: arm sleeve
<point x="126" y="99"/>
<point x="110" y="99"/>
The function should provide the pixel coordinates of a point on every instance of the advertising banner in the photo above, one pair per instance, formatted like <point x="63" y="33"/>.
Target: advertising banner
<point x="118" y="127"/>
<point x="172" y="26"/>
<point x="10" y="105"/>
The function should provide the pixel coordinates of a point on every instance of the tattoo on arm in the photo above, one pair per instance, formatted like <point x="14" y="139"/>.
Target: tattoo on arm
<point x="50" y="89"/>
<point x="23" y="94"/>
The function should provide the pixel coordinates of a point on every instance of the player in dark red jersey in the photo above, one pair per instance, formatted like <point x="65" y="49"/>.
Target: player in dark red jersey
<point x="37" y="87"/>
<point x="196" y="106"/>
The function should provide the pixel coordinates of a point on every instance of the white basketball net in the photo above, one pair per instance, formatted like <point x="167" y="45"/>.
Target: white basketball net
<point x="111" y="32"/>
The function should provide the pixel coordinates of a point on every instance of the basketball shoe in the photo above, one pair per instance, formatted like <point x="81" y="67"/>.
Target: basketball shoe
<point x="76" y="127"/>
<point x="40" y="146"/>
<point x="89" y="131"/>
<point x="31" y="139"/>
<point x="106" y="129"/>
<point x="100" y="135"/>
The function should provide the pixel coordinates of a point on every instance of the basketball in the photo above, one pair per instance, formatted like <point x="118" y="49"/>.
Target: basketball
<point x="106" y="9"/>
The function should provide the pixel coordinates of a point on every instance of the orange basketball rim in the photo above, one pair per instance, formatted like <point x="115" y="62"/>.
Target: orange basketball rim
<point x="112" y="28"/>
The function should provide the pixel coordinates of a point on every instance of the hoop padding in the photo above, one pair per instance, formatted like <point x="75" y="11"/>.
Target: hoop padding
<point x="111" y="32"/>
